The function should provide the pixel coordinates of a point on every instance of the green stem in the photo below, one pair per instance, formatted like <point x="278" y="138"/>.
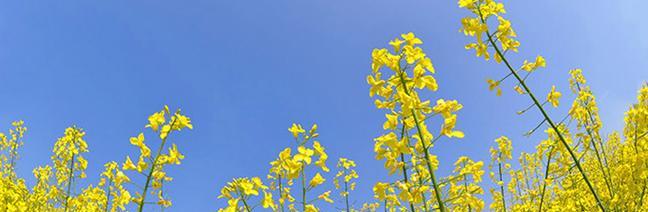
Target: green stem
<point x="303" y="187"/>
<point x="150" y="174"/>
<point x="108" y="194"/>
<point x="243" y="197"/>
<point x="465" y="180"/>
<point x="546" y="116"/>
<point x="69" y="185"/>
<point x="385" y="202"/>
<point x="70" y="177"/>
<point x="346" y="196"/>
<point x="499" y="164"/>
<point x="13" y="154"/>
<point x="544" y="182"/>
<point x="425" y="150"/>
<point x="643" y="191"/>
<point x="247" y="207"/>
<point x="606" y="175"/>
<point x="402" y="157"/>
<point x="600" y="162"/>
<point x="420" y="179"/>
<point x="280" y="193"/>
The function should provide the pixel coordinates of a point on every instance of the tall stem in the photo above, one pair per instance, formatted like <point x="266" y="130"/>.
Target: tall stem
<point x="546" y="116"/>
<point x="70" y="177"/>
<point x="544" y="182"/>
<point x="69" y="185"/>
<point x="590" y="120"/>
<point x="499" y="164"/>
<point x="303" y="187"/>
<point x="243" y="197"/>
<point x="280" y="193"/>
<point x="404" y="168"/>
<point x="346" y="196"/>
<point x="437" y="191"/>
<point x="385" y="203"/>
<point x="150" y="173"/>
<point x="420" y="179"/>
<point x="13" y="152"/>
<point x="108" y="195"/>
<point x="465" y="179"/>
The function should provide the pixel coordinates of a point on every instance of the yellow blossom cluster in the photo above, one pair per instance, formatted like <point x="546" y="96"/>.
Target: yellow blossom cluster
<point x="240" y="190"/>
<point x="56" y="186"/>
<point x="345" y="174"/>
<point x="406" y="145"/>
<point x="69" y="164"/>
<point x="464" y="190"/>
<point x="151" y="165"/>
<point x="576" y="168"/>
<point x="303" y="170"/>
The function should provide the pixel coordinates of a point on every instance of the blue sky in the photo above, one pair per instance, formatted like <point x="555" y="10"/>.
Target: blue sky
<point x="244" y="71"/>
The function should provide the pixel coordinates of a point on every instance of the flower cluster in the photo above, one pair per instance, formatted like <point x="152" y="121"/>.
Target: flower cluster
<point x="345" y="174"/>
<point x="69" y="164"/>
<point x="241" y="190"/>
<point x="406" y="145"/>
<point x="464" y="188"/>
<point x="113" y="180"/>
<point x="302" y="168"/>
<point x="151" y="164"/>
<point x="56" y="186"/>
<point x="575" y="168"/>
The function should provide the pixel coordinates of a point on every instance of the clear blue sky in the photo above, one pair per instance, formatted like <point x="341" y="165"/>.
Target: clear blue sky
<point x="244" y="71"/>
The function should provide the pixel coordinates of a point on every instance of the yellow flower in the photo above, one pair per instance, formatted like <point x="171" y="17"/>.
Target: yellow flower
<point x="519" y="89"/>
<point x="311" y="208"/>
<point x="376" y="84"/>
<point x="392" y="121"/>
<point x="267" y="200"/>
<point x="139" y="142"/>
<point x="448" y="127"/>
<point x="326" y="197"/>
<point x="446" y="108"/>
<point x="504" y="147"/>
<point x="396" y="43"/>
<point x="296" y="129"/>
<point x="156" y="120"/>
<point x="248" y="188"/>
<point x="162" y="201"/>
<point x="480" y="48"/>
<point x="531" y="66"/>
<point x="141" y="164"/>
<point x="166" y="129"/>
<point x="174" y="155"/>
<point x="304" y="155"/>
<point x="380" y="190"/>
<point x="180" y="121"/>
<point x="316" y="180"/>
<point x="540" y="62"/>
<point x="313" y="131"/>
<point x="428" y="82"/>
<point x="470" y="4"/>
<point x="553" y="96"/>
<point x="123" y="199"/>
<point x="411" y="39"/>
<point x="492" y="84"/>
<point x="321" y="162"/>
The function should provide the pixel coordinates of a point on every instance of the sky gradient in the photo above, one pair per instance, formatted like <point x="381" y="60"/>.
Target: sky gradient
<point x="244" y="71"/>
